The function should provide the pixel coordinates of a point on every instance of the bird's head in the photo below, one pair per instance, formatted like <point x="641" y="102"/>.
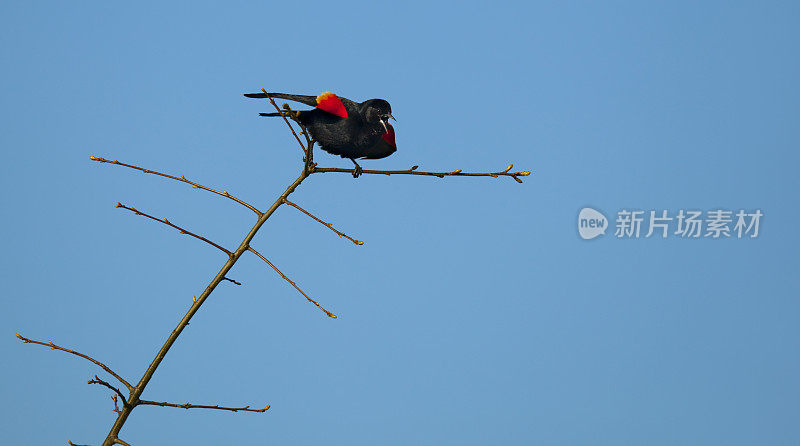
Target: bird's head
<point x="378" y="111"/>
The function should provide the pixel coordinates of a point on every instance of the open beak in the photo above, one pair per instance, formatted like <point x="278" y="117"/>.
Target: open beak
<point x="395" y="119"/>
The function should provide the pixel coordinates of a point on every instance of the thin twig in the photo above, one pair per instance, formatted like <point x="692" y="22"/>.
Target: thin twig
<point x="327" y="225"/>
<point x="116" y="406"/>
<point x="309" y="158"/>
<point x="201" y="406"/>
<point x="231" y="280"/>
<point x="413" y="171"/>
<point x="303" y="128"/>
<point x="75" y="444"/>
<point x="97" y="380"/>
<point x="56" y="347"/>
<point x="182" y="179"/>
<point x="283" y="115"/>
<point x="291" y="114"/>
<point x="118" y="441"/>
<point x="291" y="282"/>
<point x="167" y="222"/>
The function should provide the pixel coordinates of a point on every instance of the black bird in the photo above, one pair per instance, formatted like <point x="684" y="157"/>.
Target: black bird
<point x="343" y="127"/>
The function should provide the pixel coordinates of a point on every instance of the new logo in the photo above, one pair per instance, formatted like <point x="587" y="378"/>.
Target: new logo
<point x="591" y="223"/>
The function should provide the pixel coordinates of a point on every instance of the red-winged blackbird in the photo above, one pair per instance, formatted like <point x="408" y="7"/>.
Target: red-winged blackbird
<point x="344" y="127"/>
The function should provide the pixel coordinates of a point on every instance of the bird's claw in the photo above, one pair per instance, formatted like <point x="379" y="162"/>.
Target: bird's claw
<point x="357" y="171"/>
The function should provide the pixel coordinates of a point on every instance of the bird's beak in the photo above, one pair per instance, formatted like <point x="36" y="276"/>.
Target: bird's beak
<point x="395" y="119"/>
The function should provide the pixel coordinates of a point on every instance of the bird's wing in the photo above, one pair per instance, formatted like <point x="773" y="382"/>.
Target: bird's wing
<point x="327" y="101"/>
<point x="331" y="103"/>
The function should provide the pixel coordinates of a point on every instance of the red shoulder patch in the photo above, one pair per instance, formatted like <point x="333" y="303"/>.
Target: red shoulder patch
<point x="389" y="136"/>
<point x="331" y="103"/>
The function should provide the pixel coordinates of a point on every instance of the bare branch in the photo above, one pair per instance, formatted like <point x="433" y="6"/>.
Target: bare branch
<point x="292" y="283"/>
<point x="75" y="444"/>
<point x="118" y="441"/>
<point x="231" y="280"/>
<point x="201" y="406"/>
<point x="413" y="171"/>
<point x="167" y="222"/>
<point x="56" y="347"/>
<point x="116" y="406"/>
<point x="197" y="303"/>
<point x="181" y="179"/>
<point x="97" y="380"/>
<point x="327" y="225"/>
<point x="283" y="115"/>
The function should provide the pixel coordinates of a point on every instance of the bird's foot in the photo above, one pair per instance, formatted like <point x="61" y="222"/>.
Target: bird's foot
<point x="357" y="171"/>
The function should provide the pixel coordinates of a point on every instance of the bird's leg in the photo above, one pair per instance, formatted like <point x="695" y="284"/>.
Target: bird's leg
<point x="357" y="170"/>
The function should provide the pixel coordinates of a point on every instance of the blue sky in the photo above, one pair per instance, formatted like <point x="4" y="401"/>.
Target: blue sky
<point x="474" y="313"/>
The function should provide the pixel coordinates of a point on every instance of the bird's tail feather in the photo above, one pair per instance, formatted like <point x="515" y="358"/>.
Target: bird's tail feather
<point x="308" y="100"/>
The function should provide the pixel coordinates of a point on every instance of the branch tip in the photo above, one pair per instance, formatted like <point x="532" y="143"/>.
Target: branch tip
<point x="180" y="178"/>
<point x="231" y="280"/>
<point x="88" y="358"/>
<point x="283" y="115"/>
<point x="328" y="225"/>
<point x="170" y="224"/>
<point x="413" y="171"/>
<point x="328" y="313"/>
<point x="203" y="406"/>
<point x="97" y="380"/>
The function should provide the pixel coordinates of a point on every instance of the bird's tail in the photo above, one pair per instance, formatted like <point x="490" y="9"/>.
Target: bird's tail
<point x="308" y="100"/>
